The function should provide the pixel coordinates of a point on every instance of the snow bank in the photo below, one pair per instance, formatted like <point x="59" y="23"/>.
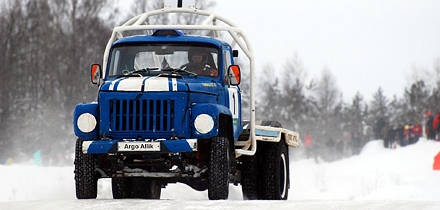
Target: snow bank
<point x="377" y="173"/>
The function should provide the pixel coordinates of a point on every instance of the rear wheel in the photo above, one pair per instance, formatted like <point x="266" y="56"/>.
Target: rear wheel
<point x="218" y="178"/>
<point x="86" y="181"/>
<point x="249" y="177"/>
<point x="274" y="171"/>
<point x="152" y="188"/>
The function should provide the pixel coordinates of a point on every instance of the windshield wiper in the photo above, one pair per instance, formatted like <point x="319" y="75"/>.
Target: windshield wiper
<point x="147" y="70"/>
<point x="128" y="73"/>
<point x="180" y="70"/>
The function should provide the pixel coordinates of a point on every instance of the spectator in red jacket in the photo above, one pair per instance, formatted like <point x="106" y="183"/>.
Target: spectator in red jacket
<point x="435" y="124"/>
<point x="308" y="143"/>
<point x="417" y="131"/>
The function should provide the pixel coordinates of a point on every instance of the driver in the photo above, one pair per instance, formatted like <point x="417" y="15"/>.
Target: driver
<point x="198" y="63"/>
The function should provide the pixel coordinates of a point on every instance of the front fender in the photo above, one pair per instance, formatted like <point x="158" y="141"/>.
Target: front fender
<point x="213" y="110"/>
<point x="90" y="127"/>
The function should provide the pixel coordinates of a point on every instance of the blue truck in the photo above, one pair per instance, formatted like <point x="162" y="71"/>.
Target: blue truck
<point x="169" y="110"/>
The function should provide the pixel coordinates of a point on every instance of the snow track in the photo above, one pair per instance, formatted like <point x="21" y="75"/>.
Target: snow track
<point x="378" y="178"/>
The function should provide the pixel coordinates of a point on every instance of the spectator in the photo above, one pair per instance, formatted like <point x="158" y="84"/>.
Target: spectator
<point x="339" y="147"/>
<point x="416" y="131"/>
<point x="429" y="127"/>
<point x="406" y="133"/>
<point x="308" y="143"/>
<point x="356" y="138"/>
<point x="391" y="136"/>
<point x="400" y="134"/>
<point x="384" y="134"/>
<point x="378" y="127"/>
<point x="436" y="125"/>
<point x="330" y="144"/>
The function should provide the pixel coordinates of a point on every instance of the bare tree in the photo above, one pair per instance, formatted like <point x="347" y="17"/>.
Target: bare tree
<point x="378" y="114"/>
<point x="268" y="102"/>
<point x="356" y="113"/>
<point x="329" y="107"/>
<point x="48" y="47"/>
<point x="327" y="93"/>
<point x="293" y="100"/>
<point x="18" y="73"/>
<point x="416" y="99"/>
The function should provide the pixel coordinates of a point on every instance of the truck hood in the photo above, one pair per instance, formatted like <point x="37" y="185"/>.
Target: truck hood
<point x="160" y="84"/>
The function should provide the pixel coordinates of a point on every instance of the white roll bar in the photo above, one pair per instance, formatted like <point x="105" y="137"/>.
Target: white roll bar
<point x="212" y="22"/>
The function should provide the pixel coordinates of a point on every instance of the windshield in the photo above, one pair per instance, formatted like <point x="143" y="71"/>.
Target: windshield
<point x="155" y="59"/>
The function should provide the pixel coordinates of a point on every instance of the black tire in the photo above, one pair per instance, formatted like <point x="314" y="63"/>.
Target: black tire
<point x="135" y="187"/>
<point x="274" y="171"/>
<point x="152" y="188"/>
<point x="218" y="178"/>
<point x="249" y="177"/>
<point x="119" y="187"/>
<point x="86" y="181"/>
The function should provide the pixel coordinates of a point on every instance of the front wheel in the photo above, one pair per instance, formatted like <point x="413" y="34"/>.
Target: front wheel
<point x="275" y="171"/>
<point x="218" y="178"/>
<point x="86" y="181"/>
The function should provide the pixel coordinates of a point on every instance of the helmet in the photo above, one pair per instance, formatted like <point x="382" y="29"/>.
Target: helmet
<point x="198" y="51"/>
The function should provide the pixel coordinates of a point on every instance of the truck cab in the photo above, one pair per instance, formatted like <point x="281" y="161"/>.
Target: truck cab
<point x="154" y="90"/>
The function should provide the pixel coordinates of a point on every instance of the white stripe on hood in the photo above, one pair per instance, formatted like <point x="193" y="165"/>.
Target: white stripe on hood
<point x="151" y="84"/>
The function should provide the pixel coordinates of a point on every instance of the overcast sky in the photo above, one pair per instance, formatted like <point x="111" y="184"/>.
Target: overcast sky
<point x="366" y="44"/>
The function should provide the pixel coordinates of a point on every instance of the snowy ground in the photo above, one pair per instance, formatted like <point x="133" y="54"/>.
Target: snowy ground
<point x="378" y="178"/>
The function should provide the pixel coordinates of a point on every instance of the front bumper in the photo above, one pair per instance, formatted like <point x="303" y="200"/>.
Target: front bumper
<point x="160" y="146"/>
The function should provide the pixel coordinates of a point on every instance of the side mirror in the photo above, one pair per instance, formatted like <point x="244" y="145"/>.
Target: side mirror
<point x="234" y="74"/>
<point x="96" y="73"/>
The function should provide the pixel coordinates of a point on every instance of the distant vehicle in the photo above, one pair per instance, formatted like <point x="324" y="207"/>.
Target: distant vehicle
<point x="162" y="118"/>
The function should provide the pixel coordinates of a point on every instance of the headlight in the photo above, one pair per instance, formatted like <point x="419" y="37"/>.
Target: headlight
<point x="204" y="123"/>
<point x="86" y="122"/>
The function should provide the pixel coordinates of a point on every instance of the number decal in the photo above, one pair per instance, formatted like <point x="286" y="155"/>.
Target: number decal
<point x="235" y="105"/>
<point x="233" y="102"/>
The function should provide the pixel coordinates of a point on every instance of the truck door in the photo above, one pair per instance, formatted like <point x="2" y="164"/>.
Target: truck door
<point x="234" y="96"/>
